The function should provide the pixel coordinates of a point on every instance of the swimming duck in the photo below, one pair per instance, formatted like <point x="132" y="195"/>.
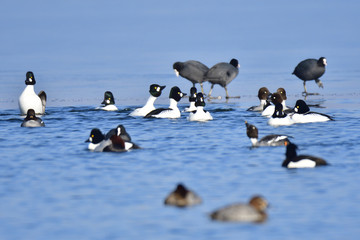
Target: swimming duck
<point x="269" y="140"/>
<point x="302" y="114"/>
<point x="97" y="140"/>
<point x="222" y="74"/>
<point x="194" y="71"/>
<point x="302" y="161"/>
<point x="31" y="120"/>
<point x="120" y="131"/>
<point x="192" y="100"/>
<point x="200" y="114"/>
<point x="279" y="118"/>
<point x="155" y="92"/>
<point x="28" y="98"/>
<point x="171" y="112"/>
<point x="182" y="197"/>
<point x="109" y="102"/>
<point x="254" y="211"/>
<point x="275" y="99"/>
<point x="311" y="69"/>
<point x="263" y="95"/>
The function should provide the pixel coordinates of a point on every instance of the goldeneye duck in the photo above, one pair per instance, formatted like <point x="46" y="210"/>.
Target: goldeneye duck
<point x="263" y="95"/>
<point x="109" y="102"/>
<point x="117" y="144"/>
<point x="302" y="161"/>
<point x="269" y="140"/>
<point x="194" y="71"/>
<point x="120" y="131"/>
<point x="222" y="73"/>
<point x="279" y="118"/>
<point x="182" y="197"/>
<point x="28" y="98"/>
<point x="192" y="100"/>
<point x="171" y="112"/>
<point x="311" y="69"/>
<point x="254" y="211"/>
<point x="275" y="99"/>
<point x="304" y="115"/>
<point x="97" y="140"/>
<point x="200" y="114"/>
<point x="282" y="92"/>
<point x="31" y="120"/>
<point x="155" y="92"/>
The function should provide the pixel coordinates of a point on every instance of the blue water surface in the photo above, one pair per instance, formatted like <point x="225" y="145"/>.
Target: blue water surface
<point x="52" y="187"/>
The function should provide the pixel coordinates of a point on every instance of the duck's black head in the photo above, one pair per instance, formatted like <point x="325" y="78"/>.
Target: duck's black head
<point x="200" y="100"/>
<point x="192" y="97"/>
<point x="108" y="98"/>
<point x="176" y="94"/>
<point x="95" y="136"/>
<point x="278" y="113"/>
<point x="30" y="78"/>
<point x="301" y="107"/>
<point x="291" y="150"/>
<point x="156" y="90"/>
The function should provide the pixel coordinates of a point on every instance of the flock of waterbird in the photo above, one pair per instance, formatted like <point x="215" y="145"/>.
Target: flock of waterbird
<point x="272" y="106"/>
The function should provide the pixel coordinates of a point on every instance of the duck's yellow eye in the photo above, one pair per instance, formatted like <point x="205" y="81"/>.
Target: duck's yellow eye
<point x="109" y="98"/>
<point x="179" y="92"/>
<point x="297" y="106"/>
<point x="92" y="135"/>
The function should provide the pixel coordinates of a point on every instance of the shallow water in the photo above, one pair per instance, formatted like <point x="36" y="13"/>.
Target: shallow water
<point x="52" y="187"/>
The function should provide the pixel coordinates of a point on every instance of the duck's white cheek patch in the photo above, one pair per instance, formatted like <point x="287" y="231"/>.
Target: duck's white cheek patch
<point x="305" y="163"/>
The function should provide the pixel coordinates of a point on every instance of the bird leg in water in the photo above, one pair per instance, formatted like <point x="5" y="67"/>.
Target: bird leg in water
<point x="319" y="83"/>
<point x="202" y="89"/>
<point x="305" y="93"/>
<point x="212" y="86"/>
<point x="227" y="94"/>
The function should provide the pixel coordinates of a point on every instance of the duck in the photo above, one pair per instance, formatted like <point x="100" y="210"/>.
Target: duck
<point x="29" y="99"/>
<point x="302" y="114"/>
<point x="155" y="91"/>
<point x="311" y="69"/>
<point x="192" y="100"/>
<point x="192" y="70"/>
<point x="116" y="144"/>
<point x="300" y="161"/>
<point x="222" y="73"/>
<point x="200" y="114"/>
<point x="269" y="140"/>
<point x="263" y="95"/>
<point x="182" y="197"/>
<point x="279" y="118"/>
<point x="253" y="212"/>
<point x="269" y="109"/>
<point x="282" y="92"/>
<point x="31" y="120"/>
<point x="109" y="102"/>
<point x="121" y="132"/>
<point x="172" y="111"/>
<point x="97" y="141"/>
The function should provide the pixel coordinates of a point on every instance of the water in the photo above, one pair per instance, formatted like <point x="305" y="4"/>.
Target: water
<point x="52" y="187"/>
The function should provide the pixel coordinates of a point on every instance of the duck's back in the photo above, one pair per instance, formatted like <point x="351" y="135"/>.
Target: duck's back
<point x="237" y="212"/>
